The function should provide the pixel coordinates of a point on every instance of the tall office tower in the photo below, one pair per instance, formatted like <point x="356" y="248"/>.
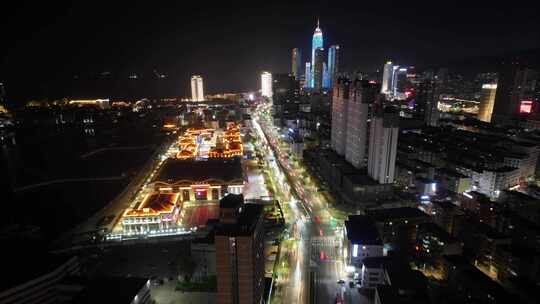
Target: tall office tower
<point x="383" y="136"/>
<point x="487" y="99"/>
<point x="325" y="78"/>
<point x="316" y="43"/>
<point x="239" y="243"/>
<point x="197" y="93"/>
<point x="400" y="80"/>
<point x="318" y="69"/>
<point x="307" y="76"/>
<point x="516" y="92"/>
<point x="266" y="84"/>
<point x="393" y="88"/>
<point x="362" y="94"/>
<point x="333" y="64"/>
<point x="296" y="64"/>
<point x="340" y="104"/>
<point x="388" y="76"/>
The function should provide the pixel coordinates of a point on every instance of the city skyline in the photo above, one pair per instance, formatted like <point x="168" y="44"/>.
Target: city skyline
<point x="158" y="45"/>
<point x="269" y="153"/>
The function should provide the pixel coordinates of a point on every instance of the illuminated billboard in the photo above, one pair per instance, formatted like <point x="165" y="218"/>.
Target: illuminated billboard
<point x="525" y="106"/>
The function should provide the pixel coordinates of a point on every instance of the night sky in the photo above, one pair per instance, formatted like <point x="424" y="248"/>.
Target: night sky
<point x="230" y="43"/>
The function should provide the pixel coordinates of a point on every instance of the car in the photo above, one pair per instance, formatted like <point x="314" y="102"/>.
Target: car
<point x="341" y="282"/>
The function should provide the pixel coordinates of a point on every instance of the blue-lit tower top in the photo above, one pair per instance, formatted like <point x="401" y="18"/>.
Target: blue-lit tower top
<point x="317" y="42"/>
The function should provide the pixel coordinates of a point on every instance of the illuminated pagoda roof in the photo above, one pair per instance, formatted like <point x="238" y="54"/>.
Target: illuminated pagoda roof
<point x="154" y="204"/>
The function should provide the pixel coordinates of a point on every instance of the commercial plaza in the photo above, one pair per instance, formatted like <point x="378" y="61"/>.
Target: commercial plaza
<point x="198" y="169"/>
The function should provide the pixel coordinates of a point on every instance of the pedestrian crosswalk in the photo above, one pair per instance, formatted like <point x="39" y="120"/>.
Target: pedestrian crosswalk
<point x="325" y="249"/>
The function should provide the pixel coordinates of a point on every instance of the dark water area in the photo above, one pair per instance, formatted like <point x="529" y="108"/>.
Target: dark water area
<point x="55" y="152"/>
<point x="57" y="208"/>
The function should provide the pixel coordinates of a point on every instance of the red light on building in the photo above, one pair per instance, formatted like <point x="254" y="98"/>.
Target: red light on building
<point x="525" y="106"/>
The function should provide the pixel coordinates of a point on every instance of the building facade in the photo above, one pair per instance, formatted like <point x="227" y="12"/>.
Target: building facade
<point x="239" y="242"/>
<point x="318" y="69"/>
<point x="296" y="63"/>
<point x="333" y="64"/>
<point x="266" y="84"/>
<point x="388" y="76"/>
<point x="487" y="100"/>
<point x="197" y="93"/>
<point x="340" y="105"/>
<point x="383" y="138"/>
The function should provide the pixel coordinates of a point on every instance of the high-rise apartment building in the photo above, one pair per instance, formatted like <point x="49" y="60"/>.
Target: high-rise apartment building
<point x="362" y="94"/>
<point x="266" y="84"/>
<point x="383" y="136"/>
<point x="296" y="63"/>
<point x="350" y="114"/>
<point x="333" y="64"/>
<point x="487" y="100"/>
<point x="388" y="76"/>
<point x="239" y="243"/>
<point x="316" y="43"/>
<point x="318" y="69"/>
<point x="340" y="105"/>
<point x="197" y="93"/>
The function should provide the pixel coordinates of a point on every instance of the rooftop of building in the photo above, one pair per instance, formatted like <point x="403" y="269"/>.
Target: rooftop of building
<point x="395" y="213"/>
<point x="509" y="194"/>
<point x="221" y="169"/>
<point x="247" y="221"/>
<point x="361" y="230"/>
<point x="444" y="204"/>
<point x="231" y="201"/>
<point x="360" y="178"/>
<point x="436" y="230"/>
<point x="393" y="295"/>
<point x="155" y="203"/>
<point x="376" y="262"/>
<point x="449" y="172"/>
<point x="110" y="290"/>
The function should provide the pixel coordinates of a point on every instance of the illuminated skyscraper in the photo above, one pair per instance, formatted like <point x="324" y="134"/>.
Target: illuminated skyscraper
<point x="296" y="64"/>
<point x="487" y="99"/>
<point x="266" y="84"/>
<point x="325" y="77"/>
<point x="317" y="42"/>
<point x="383" y="138"/>
<point x="197" y="93"/>
<point x="318" y="69"/>
<point x="388" y="76"/>
<point x="333" y="64"/>
<point x="307" y="76"/>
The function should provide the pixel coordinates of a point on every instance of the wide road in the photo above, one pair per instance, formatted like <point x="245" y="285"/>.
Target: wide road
<point x="323" y="232"/>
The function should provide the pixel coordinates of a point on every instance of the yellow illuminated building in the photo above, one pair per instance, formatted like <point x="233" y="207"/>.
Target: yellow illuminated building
<point x="487" y="100"/>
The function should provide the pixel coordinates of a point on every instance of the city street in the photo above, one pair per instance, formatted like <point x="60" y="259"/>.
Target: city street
<point x="318" y="236"/>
